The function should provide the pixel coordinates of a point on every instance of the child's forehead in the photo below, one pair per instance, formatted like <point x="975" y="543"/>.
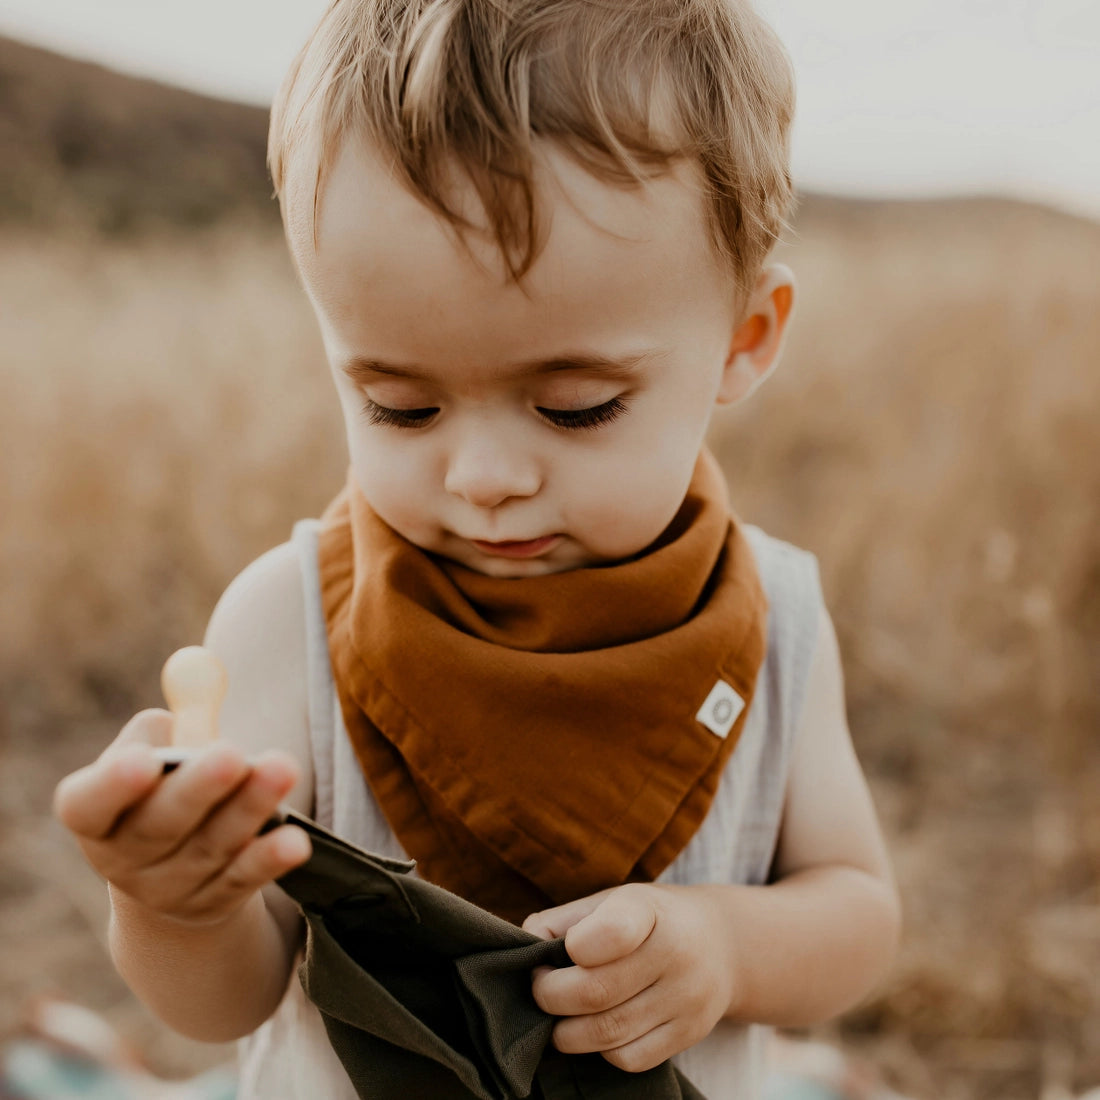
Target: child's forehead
<point x="621" y="269"/>
<point x="363" y="201"/>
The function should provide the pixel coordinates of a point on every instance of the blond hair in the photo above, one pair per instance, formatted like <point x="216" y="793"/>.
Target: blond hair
<point x="436" y="83"/>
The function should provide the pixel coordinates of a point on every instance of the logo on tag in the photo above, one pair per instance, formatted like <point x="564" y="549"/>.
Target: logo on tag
<point x="721" y="710"/>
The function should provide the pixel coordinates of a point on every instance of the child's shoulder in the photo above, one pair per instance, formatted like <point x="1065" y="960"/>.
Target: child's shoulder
<point x="269" y="587"/>
<point x="258" y="630"/>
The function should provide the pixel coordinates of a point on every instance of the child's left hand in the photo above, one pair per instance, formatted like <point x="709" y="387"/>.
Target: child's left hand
<point x="652" y="976"/>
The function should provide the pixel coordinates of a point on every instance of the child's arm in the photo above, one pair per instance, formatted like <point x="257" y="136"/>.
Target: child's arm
<point x="191" y="931"/>
<point x="658" y="966"/>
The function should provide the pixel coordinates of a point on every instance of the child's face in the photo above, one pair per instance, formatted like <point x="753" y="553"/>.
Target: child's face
<point x="523" y="431"/>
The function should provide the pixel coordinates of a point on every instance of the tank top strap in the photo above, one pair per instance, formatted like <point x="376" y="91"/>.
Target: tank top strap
<point x="737" y="841"/>
<point x="343" y="802"/>
<point x="792" y="582"/>
<point x="321" y="688"/>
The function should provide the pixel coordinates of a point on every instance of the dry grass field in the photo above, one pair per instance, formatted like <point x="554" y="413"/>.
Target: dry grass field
<point x="932" y="436"/>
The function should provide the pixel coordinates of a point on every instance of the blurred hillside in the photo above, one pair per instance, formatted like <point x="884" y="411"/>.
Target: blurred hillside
<point x="82" y="147"/>
<point x="932" y="436"/>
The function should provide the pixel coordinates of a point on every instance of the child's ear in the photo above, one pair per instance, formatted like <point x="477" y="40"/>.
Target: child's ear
<point x="758" y="341"/>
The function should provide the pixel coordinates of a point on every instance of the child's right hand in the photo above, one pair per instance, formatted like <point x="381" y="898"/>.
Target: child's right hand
<point x="185" y="844"/>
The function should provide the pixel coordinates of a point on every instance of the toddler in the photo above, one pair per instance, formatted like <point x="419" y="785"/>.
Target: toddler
<point x="528" y="645"/>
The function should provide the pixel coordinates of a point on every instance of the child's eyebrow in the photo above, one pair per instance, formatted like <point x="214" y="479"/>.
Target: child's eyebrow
<point x="361" y="370"/>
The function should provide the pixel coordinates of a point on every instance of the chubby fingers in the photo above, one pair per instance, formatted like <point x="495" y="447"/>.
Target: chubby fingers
<point x="179" y="803"/>
<point x="233" y="824"/>
<point x="212" y="804"/>
<point x="91" y="800"/>
<point x="548" y="924"/>
<point x="621" y="922"/>
<point x="602" y="1008"/>
<point x="192" y="848"/>
<point x="609" y="968"/>
<point x="262" y="860"/>
<point x="632" y="997"/>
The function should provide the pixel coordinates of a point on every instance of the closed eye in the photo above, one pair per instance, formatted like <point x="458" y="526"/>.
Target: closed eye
<point x="397" y="418"/>
<point x="594" y="417"/>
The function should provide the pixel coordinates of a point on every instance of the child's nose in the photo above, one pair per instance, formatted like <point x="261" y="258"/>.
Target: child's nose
<point x="486" y="472"/>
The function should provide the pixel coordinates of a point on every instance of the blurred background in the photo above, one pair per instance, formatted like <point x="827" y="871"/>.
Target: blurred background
<point x="933" y="436"/>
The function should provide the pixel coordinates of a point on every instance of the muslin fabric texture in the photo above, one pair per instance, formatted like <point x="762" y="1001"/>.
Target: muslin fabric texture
<point x="290" y="1056"/>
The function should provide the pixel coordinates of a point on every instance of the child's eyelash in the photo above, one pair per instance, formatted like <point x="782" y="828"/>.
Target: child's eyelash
<point x="397" y="418"/>
<point x="595" y="417"/>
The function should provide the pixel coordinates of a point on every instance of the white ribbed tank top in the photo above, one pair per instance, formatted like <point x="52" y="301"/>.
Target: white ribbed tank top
<point x="289" y="1057"/>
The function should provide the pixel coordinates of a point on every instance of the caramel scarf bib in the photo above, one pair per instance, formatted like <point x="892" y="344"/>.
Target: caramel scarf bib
<point x="534" y="740"/>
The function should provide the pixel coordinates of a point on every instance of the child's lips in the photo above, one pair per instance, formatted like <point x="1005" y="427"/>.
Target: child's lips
<point x="529" y="548"/>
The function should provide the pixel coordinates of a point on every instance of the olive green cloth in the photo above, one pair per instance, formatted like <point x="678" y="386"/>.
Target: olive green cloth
<point x="427" y="997"/>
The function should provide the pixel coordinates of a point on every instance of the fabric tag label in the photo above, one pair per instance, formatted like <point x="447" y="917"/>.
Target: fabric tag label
<point x="721" y="709"/>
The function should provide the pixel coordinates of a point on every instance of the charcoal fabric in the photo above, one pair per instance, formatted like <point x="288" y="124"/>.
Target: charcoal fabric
<point x="426" y="995"/>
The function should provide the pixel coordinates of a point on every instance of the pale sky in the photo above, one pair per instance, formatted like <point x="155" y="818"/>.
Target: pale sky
<point x="925" y="97"/>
